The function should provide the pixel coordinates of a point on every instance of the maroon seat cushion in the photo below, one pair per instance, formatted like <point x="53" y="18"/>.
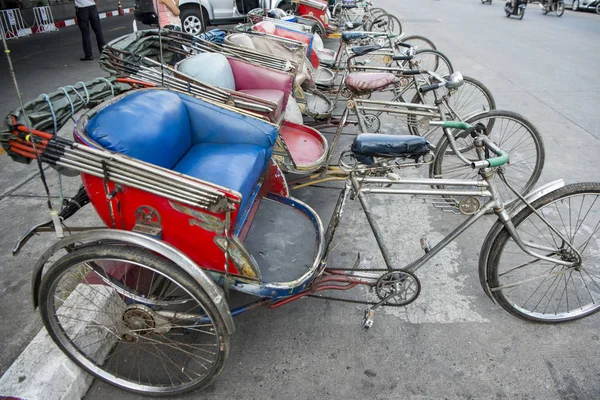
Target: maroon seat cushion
<point x="276" y="96"/>
<point x="368" y="81"/>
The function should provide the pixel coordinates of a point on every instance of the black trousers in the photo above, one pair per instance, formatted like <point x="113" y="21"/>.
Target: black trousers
<point x="87" y="16"/>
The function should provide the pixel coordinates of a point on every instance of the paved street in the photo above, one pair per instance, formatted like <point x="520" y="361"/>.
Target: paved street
<point x="452" y="342"/>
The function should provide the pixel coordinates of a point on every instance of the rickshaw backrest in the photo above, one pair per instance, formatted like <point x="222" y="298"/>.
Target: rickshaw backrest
<point x="187" y="135"/>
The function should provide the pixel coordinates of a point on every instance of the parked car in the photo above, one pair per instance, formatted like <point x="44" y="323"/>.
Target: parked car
<point x="220" y="12"/>
<point x="582" y="4"/>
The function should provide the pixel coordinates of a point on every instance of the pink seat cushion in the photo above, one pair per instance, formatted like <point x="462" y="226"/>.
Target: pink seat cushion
<point x="276" y="96"/>
<point x="368" y="82"/>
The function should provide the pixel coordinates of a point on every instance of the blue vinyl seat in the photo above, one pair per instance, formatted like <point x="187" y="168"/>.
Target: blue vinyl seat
<point x="187" y="135"/>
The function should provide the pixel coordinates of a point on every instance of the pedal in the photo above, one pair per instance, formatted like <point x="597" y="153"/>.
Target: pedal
<point x="425" y="244"/>
<point x="368" y="319"/>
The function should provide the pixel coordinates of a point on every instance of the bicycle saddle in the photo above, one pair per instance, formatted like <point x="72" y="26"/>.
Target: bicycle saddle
<point x="368" y="145"/>
<point x="362" y="50"/>
<point x="368" y="81"/>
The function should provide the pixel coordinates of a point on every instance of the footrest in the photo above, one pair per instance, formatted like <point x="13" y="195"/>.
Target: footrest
<point x="307" y="147"/>
<point x="285" y="239"/>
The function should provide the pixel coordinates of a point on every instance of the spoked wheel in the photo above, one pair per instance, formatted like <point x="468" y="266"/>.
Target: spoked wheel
<point x="385" y="23"/>
<point x="598" y="9"/>
<point x="560" y="8"/>
<point x="513" y="134"/>
<point x="575" y="5"/>
<point x="418" y="42"/>
<point x="431" y="60"/>
<point x="544" y="291"/>
<point x="134" y="320"/>
<point x="521" y="13"/>
<point x="470" y="99"/>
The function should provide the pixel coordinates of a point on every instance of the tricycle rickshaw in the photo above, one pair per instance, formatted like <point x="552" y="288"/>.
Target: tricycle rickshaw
<point x="194" y="207"/>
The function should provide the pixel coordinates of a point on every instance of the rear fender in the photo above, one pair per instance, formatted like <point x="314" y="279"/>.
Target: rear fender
<point x="498" y="226"/>
<point x="131" y="238"/>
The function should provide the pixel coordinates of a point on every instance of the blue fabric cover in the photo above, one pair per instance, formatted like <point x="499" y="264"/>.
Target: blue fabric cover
<point x="371" y="144"/>
<point x="209" y="68"/>
<point x="235" y="166"/>
<point x="187" y="135"/>
<point x="347" y="36"/>
<point x="152" y="126"/>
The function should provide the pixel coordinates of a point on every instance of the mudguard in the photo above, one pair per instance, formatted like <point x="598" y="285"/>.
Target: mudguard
<point x="126" y="237"/>
<point x="498" y="226"/>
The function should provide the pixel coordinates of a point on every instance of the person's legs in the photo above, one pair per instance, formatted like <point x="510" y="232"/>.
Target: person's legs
<point x="84" y="26"/>
<point x="97" y="28"/>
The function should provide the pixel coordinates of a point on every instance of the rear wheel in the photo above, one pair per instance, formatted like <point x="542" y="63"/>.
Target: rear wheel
<point x="544" y="291"/>
<point x="598" y="9"/>
<point x="521" y="13"/>
<point x="134" y="320"/>
<point x="513" y="134"/>
<point x="560" y="8"/>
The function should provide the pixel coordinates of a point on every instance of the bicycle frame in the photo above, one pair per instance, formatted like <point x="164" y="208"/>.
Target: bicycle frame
<point x="358" y="184"/>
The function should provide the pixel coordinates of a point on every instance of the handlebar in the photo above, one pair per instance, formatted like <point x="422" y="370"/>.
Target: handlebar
<point x="502" y="158"/>
<point x="427" y="88"/>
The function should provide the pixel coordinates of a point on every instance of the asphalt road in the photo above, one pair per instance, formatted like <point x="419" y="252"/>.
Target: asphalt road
<point x="452" y="342"/>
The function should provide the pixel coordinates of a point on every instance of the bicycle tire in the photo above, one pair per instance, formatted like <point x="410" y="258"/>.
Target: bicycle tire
<point x="564" y="293"/>
<point x="463" y="103"/>
<point x="430" y="60"/>
<point x="385" y="23"/>
<point x="114" y="291"/>
<point x="511" y="132"/>
<point x="414" y="41"/>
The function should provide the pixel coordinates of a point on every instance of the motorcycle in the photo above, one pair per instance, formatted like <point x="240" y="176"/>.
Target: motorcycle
<point x="518" y="10"/>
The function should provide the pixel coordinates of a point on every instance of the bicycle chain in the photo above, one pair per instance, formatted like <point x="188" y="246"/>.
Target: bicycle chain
<point x="368" y="303"/>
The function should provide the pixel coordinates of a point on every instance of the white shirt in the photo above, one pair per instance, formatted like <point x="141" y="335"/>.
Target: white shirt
<point x="84" y="3"/>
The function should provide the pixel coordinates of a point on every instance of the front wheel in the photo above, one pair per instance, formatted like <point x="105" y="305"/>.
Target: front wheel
<point x="544" y="291"/>
<point x="521" y="13"/>
<point x="471" y="98"/>
<point x="560" y="8"/>
<point x="598" y="9"/>
<point x="385" y="23"/>
<point x="194" y="20"/>
<point x="418" y="42"/>
<point x="134" y="320"/>
<point x="509" y="131"/>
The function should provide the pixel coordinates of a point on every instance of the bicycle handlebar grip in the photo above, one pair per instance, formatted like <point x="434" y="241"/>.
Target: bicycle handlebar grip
<point x="399" y="43"/>
<point x="494" y="161"/>
<point x="402" y="58"/>
<point x="424" y="89"/>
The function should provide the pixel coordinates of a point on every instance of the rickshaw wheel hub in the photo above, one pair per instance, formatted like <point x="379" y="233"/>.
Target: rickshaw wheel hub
<point x="140" y="320"/>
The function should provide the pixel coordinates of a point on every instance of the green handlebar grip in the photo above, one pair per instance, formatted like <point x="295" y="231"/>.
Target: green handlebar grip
<point x="456" y="125"/>
<point x="498" y="161"/>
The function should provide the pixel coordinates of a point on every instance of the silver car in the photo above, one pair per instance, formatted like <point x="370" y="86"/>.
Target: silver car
<point x="583" y="4"/>
<point x="198" y="14"/>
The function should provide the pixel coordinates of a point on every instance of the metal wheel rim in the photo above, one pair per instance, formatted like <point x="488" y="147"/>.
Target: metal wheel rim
<point x="192" y="25"/>
<point x="554" y="283"/>
<point x="99" y="371"/>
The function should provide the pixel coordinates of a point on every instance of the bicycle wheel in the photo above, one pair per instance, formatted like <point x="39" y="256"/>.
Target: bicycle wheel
<point x="560" y="8"/>
<point x="431" y="60"/>
<point x="470" y="99"/>
<point x="543" y="291"/>
<point x="418" y="42"/>
<point x="513" y="134"/>
<point x="134" y="320"/>
<point x="385" y="23"/>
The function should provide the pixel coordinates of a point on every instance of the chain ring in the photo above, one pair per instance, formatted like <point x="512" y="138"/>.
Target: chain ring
<point x="403" y="285"/>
